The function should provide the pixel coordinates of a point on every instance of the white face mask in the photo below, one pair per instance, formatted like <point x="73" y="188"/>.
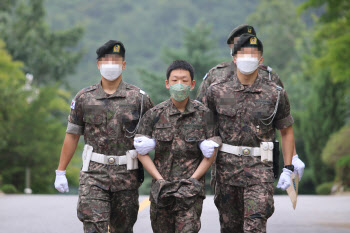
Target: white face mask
<point x="247" y="64"/>
<point x="111" y="71"/>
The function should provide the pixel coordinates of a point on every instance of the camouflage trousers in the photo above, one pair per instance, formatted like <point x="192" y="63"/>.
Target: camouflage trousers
<point x="244" y="209"/>
<point x="104" y="211"/>
<point x="164" y="220"/>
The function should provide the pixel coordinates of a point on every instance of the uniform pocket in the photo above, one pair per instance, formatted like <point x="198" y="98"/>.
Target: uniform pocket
<point x="163" y="132"/>
<point x="226" y="111"/>
<point x="130" y="118"/>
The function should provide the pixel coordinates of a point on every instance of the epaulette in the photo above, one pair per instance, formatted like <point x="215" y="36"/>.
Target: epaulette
<point x="161" y="105"/>
<point x="199" y="105"/>
<point x="267" y="69"/>
<point x="87" y="89"/>
<point x="132" y="87"/>
<point x="221" y="65"/>
<point x="279" y="88"/>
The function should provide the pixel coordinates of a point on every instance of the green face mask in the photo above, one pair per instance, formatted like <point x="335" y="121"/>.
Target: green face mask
<point x="179" y="91"/>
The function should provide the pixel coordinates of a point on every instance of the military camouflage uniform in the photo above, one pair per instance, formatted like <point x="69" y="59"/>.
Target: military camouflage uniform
<point x="224" y="73"/>
<point x="244" y="189"/>
<point x="177" y="156"/>
<point x="108" y="194"/>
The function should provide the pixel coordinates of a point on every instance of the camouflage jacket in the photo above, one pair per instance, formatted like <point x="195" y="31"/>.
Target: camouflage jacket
<point x="240" y="112"/>
<point x="225" y="71"/>
<point x="177" y="154"/>
<point x="104" y="120"/>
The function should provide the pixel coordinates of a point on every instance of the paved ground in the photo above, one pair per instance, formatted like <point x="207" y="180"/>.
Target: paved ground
<point x="57" y="214"/>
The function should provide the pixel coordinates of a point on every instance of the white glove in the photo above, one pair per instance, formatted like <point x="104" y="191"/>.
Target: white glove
<point x="299" y="166"/>
<point x="61" y="183"/>
<point x="284" y="181"/>
<point x="144" y="145"/>
<point x="207" y="147"/>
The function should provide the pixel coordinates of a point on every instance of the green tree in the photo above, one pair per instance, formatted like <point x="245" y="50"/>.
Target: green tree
<point x="279" y="28"/>
<point x="333" y="32"/>
<point x="31" y="127"/>
<point x="325" y="105"/>
<point x="48" y="55"/>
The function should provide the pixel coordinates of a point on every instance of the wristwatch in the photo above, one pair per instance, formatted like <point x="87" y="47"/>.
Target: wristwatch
<point x="289" y="167"/>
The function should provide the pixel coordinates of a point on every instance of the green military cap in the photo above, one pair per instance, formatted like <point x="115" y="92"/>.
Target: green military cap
<point x="238" y="31"/>
<point x="247" y="40"/>
<point x="111" y="47"/>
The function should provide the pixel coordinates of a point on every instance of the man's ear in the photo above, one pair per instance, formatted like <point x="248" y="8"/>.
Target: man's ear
<point x="124" y="64"/>
<point x="167" y="84"/>
<point x="261" y="60"/>
<point x="98" y="64"/>
<point x="193" y="84"/>
<point x="234" y="59"/>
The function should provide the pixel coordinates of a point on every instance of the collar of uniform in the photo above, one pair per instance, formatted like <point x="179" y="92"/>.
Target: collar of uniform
<point x="120" y="92"/>
<point x="188" y="109"/>
<point x="255" y="87"/>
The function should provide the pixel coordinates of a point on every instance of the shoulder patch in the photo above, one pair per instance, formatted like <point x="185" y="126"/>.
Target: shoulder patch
<point x="72" y="105"/>
<point x="206" y="75"/>
<point x="142" y="92"/>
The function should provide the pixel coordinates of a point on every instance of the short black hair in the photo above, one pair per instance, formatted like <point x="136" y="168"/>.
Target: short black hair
<point x="180" y="65"/>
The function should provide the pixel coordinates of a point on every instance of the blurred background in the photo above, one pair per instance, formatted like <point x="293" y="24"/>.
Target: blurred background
<point x="47" y="54"/>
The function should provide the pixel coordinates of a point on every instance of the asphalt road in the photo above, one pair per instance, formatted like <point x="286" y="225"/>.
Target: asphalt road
<point x="57" y="214"/>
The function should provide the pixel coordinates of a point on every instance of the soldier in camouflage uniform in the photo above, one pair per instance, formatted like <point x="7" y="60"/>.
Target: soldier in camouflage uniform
<point x="175" y="128"/>
<point x="106" y="114"/>
<point x="224" y="72"/>
<point x="248" y="110"/>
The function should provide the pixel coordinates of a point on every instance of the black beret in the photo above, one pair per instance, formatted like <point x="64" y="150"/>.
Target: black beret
<point x="238" y="31"/>
<point x="111" y="47"/>
<point x="247" y="40"/>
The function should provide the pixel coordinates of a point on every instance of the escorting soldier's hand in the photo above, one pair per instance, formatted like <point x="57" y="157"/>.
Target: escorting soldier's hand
<point x="207" y="147"/>
<point x="61" y="183"/>
<point x="144" y="145"/>
<point x="284" y="181"/>
<point x="299" y="166"/>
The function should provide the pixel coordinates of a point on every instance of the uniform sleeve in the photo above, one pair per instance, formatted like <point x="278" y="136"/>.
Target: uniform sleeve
<point x="211" y="128"/>
<point x="203" y="88"/>
<point x="283" y="118"/>
<point x="75" y="118"/>
<point x="208" y="100"/>
<point x="276" y="78"/>
<point x="147" y="103"/>
<point x="146" y="125"/>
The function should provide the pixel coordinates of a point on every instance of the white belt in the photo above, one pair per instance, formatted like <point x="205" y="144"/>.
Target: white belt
<point x="240" y="150"/>
<point x="130" y="159"/>
<point x="109" y="159"/>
